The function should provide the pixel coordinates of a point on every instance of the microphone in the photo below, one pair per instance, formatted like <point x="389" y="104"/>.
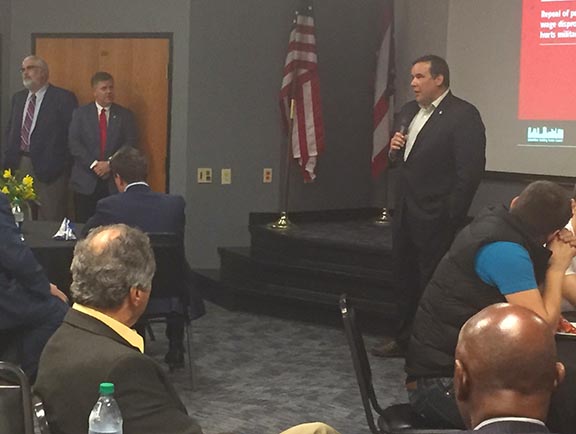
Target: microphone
<point x="394" y="154"/>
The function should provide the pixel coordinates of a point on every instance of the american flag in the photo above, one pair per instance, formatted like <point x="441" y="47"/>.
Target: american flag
<point x="300" y="93"/>
<point x="383" y="93"/>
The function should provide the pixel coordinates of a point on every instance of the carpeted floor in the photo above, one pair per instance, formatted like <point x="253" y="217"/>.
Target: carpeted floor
<point x="260" y="375"/>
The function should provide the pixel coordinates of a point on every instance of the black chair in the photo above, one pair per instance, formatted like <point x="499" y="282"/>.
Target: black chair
<point x="173" y="292"/>
<point x="396" y="419"/>
<point x="15" y="401"/>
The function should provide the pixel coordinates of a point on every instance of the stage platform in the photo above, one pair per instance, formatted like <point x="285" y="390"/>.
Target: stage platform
<point x="301" y="271"/>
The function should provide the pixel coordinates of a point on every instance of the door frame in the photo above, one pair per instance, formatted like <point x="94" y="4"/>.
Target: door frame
<point x="143" y="35"/>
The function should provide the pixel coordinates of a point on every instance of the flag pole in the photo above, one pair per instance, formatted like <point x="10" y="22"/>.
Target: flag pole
<point x="283" y="222"/>
<point x="387" y="50"/>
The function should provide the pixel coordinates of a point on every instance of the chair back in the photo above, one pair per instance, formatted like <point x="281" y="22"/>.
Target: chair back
<point x="396" y="419"/>
<point x="169" y="279"/>
<point x="360" y="362"/>
<point x="15" y="400"/>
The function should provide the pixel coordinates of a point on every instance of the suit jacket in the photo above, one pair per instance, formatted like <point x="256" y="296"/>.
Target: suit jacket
<point x="510" y="427"/>
<point x="85" y="352"/>
<point x="84" y="140"/>
<point x="49" y="139"/>
<point x="140" y="207"/>
<point x="149" y="211"/>
<point x="438" y="180"/>
<point x="25" y="289"/>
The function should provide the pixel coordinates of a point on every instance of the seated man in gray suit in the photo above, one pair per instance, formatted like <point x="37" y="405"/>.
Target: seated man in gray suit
<point x="97" y="130"/>
<point x="138" y="206"/>
<point x="112" y="274"/>
<point x="506" y="370"/>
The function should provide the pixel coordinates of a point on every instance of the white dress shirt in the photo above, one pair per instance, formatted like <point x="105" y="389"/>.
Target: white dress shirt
<point x="419" y="121"/>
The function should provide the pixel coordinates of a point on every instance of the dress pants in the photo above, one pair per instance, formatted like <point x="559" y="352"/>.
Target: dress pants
<point x="417" y="247"/>
<point x="85" y="204"/>
<point x="52" y="196"/>
<point x="23" y="344"/>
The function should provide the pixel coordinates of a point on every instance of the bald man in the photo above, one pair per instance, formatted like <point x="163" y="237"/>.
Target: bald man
<point x="506" y="370"/>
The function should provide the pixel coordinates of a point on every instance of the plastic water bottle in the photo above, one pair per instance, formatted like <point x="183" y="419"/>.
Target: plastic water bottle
<point x="18" y="213"/>
<point x="18" y="216"/>
<point x="105" y="417"/>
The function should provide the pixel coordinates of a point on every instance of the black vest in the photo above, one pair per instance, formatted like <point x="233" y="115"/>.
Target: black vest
<point x="456" y="293"/>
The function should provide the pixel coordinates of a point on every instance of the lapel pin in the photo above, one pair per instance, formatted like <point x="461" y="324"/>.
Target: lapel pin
<point x="440" y="112"/>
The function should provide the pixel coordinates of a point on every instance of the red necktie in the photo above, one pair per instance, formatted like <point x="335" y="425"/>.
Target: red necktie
<point x="103" y="127"/>
<point x="27" y="125"/>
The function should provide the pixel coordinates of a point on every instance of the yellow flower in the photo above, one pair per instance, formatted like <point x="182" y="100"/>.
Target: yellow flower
<point x="29" y="195"/>
<point x="7" y="174"/>
<point x="28" y="181"/>
<point x="5" y="190"/>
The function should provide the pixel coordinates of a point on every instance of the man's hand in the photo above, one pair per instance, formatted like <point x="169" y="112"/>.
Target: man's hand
<point x="566" y="236"/>
<point x="397" y="143"/>
<point x="57" y="293"/>
<point x="563" y="247"/>
<point x="102" y="169"/>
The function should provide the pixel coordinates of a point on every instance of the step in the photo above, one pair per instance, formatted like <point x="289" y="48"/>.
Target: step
<point x="239" y="267"/>
<point x="359" y="244"/>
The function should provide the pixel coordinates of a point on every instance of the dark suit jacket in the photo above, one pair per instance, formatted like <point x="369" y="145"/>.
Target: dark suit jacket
<point x="510" y="427"/>
<point x="437" y="183"/>
<point x="85" y="352"/>
<point x="84" y="140"/>
<point x="49" y="139"/>
<point x="24" y="288"/>
<point x="140" y="207"/>
<point x="149" y="211"/>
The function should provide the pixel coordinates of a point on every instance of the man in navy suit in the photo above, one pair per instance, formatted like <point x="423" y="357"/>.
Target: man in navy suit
<point x="31" y="308"/>
<point x="439" y="150"/>
<point x="138" y="206"/>
<point x="97" y="130"/>
<point x="505" y="371"/>
<point x="37" y="137"/>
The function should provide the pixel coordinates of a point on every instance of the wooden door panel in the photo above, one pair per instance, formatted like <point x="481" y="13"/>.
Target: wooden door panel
<point x="139" y="67"/>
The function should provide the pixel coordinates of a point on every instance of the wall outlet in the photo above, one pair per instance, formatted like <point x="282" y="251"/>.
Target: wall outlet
<point x="226" y="176"/>
<point x="267" y="175"/>
<point x="204" y="175"/>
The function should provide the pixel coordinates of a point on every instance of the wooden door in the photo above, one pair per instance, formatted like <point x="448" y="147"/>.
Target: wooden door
<point x="140" y="67"/>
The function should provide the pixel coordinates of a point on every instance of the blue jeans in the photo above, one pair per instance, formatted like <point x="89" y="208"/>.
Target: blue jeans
<point x="434" y="400"/>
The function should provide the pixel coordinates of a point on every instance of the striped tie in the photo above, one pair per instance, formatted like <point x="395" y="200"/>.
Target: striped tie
<point x="27" y="125"/>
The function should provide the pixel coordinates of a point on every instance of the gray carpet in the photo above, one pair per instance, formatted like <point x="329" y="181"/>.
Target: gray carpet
<point x="261" y="375"/>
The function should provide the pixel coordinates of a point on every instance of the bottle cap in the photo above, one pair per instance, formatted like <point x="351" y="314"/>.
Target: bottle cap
<point x="106" y="388"/>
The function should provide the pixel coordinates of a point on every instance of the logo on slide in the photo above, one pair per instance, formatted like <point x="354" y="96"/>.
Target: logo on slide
<point x="545" y="135"/>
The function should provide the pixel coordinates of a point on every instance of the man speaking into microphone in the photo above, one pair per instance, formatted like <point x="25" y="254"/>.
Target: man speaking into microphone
<point x="439" y="150"/>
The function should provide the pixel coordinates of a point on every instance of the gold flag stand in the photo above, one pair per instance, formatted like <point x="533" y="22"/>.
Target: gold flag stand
<point x="283" y="223"/>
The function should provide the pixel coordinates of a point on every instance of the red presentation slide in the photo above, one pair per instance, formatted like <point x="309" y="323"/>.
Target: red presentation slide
<point x="548" y="60"/>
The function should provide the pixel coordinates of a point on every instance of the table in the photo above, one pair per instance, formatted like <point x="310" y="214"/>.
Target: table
<point x="55" y="256"/>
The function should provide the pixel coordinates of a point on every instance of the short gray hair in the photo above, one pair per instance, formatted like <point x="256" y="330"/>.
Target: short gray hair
<point x="107" y="265"/>
<point x="41" y="62"/>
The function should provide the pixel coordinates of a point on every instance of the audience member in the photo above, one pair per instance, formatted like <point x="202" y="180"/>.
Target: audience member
<point x="499" y="257"/>
<point x="31" y="308"/>
<point x="506" y="370"/>
<point x="439" y="149"/>
<point x="569" y="289"/>
<point x="37" y="137"/>
<point x="140" y="207"/>
<point x="97" y="130"/>
<point x="112" y="274"/>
